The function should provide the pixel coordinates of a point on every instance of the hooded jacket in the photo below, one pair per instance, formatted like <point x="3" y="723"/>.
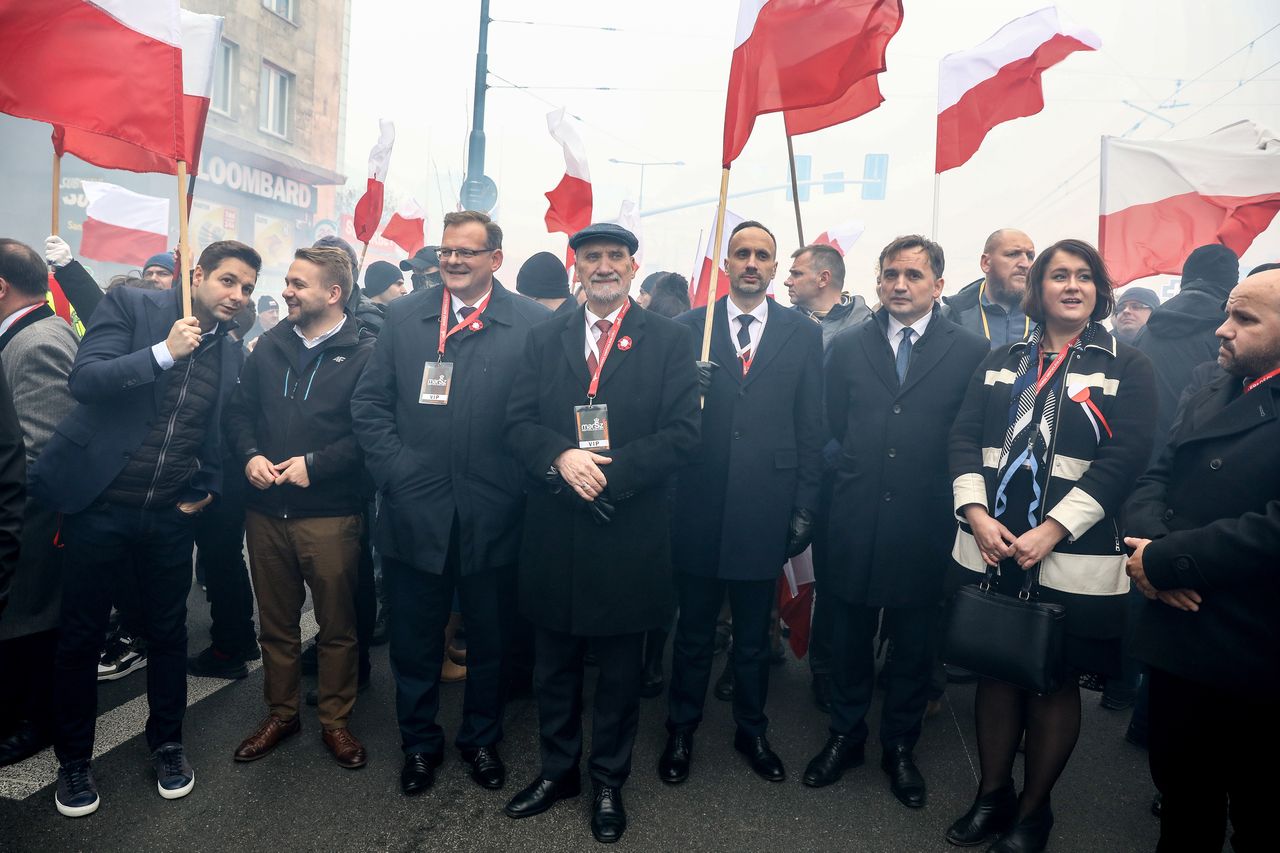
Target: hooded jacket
<point x="850" y="311"/>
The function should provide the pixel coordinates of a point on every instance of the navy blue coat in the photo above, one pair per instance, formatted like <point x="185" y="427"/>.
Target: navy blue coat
<point x="119" y="389"/>
<point x="761" y="452"/>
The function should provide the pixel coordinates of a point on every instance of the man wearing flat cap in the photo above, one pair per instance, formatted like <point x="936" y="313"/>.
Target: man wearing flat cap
<point x="603" y="411"/>
<point x="424" y="268"/>
<point x="544" y="279"/>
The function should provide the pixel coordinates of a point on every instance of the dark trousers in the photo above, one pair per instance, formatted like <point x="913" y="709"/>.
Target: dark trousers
<point x="420" y="606"/>
<point x="615" y="708"/>
<point x="1205" y="772"/>
<point x="26" y="680"/>
<point x="912" y="630"/>
<point x="366" y="597"/>
<point x="101" y="541"/>
<point x="751" y="603"/>
<point x="219" y="535"/>
<point x="820" y="621"/>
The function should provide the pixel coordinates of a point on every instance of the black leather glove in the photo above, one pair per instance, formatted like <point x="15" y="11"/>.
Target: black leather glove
<point x="706" y="369"/>
<point x="800" y="533"/>
<point x="600" y="509"/>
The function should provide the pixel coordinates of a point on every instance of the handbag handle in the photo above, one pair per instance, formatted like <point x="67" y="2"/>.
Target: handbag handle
<point x="1031" y="577"/>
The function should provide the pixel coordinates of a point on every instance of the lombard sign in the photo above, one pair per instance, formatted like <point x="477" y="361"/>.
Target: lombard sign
<point x="252" y="180"/>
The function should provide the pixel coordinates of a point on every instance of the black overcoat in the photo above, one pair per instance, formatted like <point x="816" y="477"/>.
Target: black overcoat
<point x="430" y="462"/>
<point x="761" y="451"/>
<point x="891" y="521"/>
<point x="577" y="577"/>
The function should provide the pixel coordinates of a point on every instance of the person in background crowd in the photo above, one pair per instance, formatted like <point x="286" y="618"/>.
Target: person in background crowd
<point x="670" y="295"/>
<point x="992" y="305"/>
<point x="1204" y="526"/>
<point x="423" y="268"/>
<point x="77" y="285"/>
<point x="1052" y="434"/>
<point x="268" y="316"/>
<point x="158" y="270"/>
<point x="383" y="283"/>
<point x="1133" y="309"/>
<point x="129" y="467"/>
<point x="646" y="288"/>
<point x="12" y="492"/>
<point x="544" y="279"/>
<point x="38" y="350"/>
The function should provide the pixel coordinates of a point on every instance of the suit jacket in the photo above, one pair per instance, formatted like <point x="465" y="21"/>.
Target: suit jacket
<point x="891" y="524"/>
<point x="12" y="492"/>
<point x="575" y="576"/>
<point x="430" y="462"/>
<point x="761" y="451"/>
<point x="118" y="388"/>
<point x="1211" y="503"/>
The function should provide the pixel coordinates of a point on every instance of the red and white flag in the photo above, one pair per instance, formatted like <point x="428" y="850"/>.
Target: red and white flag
<point x="407" y="227"/>
<point x="368" y="212"/>
<point x="122" y="226"/>
<point x="201" y="35"/>
<point x="570" y="202"/>
<point x="700" y="281"/>
<point x="795" y="600"/>
<point x="999" y="80"/>
<point x="1161" y="199"/>
<point x="796" y="55"/>
<point x="843" y="236"/>
<point x="112" y="67"/>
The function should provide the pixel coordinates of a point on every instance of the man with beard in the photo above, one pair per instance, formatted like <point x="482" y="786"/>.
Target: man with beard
<point x="603" y="411"/>
<point x="992" y="305"/>
<point x="1204" y="526"/>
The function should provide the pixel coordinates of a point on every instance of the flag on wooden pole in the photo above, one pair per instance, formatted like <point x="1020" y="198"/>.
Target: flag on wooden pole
<point x="368" y="212"/>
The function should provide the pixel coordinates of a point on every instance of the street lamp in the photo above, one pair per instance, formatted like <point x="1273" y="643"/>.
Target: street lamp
<point x="642" y="164"/>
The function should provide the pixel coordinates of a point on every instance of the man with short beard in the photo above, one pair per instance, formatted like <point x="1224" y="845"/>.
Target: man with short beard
<point x="992" y="305"/>
<point x="1204" y="526"/>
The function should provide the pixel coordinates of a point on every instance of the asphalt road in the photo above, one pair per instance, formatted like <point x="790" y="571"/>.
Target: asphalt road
<point x="298" y="799"/>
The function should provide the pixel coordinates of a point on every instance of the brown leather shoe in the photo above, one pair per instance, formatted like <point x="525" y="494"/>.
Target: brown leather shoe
<point x="271" y="732"/>
<point x="345" y="748"/>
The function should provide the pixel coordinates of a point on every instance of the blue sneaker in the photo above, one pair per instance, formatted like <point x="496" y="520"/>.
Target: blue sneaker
<point x="174" y="776"/>
<point x="77" y="793"/>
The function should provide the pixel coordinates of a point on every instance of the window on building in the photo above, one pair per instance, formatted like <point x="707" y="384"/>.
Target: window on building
<point x="274" y="96"/>
<point x="224" y="77"/>
<point x="283" y="8"/>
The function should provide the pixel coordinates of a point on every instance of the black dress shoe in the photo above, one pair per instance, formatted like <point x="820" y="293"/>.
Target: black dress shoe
<point x="990" y="815"/>
<point x="673" y="765"/>
<point x="542" y="794"/>
<point x="840" y="754"/>
<point x="608" y="817"/>
<point x="1029" y="835"/>
<point x="724" y="684"/>
<point x="822" y="692"/>
<point x="763" y="759"/>
<point x="25" y="741"/>
<point x="486" y="766"/>
<point x="904" y="777"/>
<point x="418" y="773"/>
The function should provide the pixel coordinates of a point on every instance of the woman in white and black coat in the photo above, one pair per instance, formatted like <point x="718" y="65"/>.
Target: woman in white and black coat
<point x="1052" y="434"/>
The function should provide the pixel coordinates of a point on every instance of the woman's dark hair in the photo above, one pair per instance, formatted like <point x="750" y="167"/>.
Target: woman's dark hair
<point x="670" y="296"/>
<point x="1033" y="302"/>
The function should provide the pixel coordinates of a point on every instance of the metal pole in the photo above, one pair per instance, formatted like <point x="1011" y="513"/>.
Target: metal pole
<point x="795" y="189"/>
<point x="640" y="201"/>
<point x="475" y="142"/>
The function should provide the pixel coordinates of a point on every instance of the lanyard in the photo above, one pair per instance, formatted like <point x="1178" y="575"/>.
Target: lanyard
<point x="1043" y="376"/>
<point x="473" y="321"/>
<point x="986" y="329"/>
<point x="605" y="348"/>
<point x="1263" y="378"/>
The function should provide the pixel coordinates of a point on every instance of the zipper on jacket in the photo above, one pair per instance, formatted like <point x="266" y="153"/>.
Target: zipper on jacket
<point x="168" y="432"/>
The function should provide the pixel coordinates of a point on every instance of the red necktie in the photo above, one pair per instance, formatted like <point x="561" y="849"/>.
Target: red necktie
<point x="602" y="327"/>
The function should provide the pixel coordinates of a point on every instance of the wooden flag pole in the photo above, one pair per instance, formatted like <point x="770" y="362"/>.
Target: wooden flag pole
<point x="937" y="183"/>
<point x="57" y="191"/>
<point x="715" y="265"/>
<point x="795" y="190"/>
<point x="184" y="247"/>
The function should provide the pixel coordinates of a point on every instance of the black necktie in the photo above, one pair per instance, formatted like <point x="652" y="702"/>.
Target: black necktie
<point x="744" y="332"/>
<point x="466" y="311"/>
<point x="904" y="355"/>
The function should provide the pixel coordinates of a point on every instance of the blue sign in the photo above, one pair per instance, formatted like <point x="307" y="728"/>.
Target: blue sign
<point x="875" y="171"/>
<point x="834" y="182"/>
<point x="804" y="168"/>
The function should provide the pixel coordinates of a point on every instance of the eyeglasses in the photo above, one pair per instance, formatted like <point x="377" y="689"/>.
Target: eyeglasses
<point x="466" y="254"/>
<point x="1133" y="307"/>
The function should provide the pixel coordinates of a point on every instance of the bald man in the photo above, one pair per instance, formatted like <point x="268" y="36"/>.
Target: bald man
<point x="992" y="305"/>
<point x="1204" y="526"/>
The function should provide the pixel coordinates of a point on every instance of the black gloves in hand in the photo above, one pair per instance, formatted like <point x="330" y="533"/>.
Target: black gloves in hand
<point x="600" y="509"/>
<point x="800" y="533"/>
<point x="706" y="369"/>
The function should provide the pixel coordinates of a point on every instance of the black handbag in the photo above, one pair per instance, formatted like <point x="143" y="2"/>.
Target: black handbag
<point x="1015" y="640"/>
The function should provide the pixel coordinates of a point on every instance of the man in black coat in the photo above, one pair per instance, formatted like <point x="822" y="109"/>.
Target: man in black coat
<point x="746" y="504"/>
<point x="429" y="415"/>
<point x="1204" y="523"/>
<point x="603" y="412"/>
<point x="893" y="388"/>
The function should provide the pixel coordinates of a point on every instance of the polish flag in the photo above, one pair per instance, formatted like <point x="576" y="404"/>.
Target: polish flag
<point x="1161" y="199"/>
<point x="122" y="226"/>
<point x="111" y="67"/>
<point x="795" y="600"/>
<point x="407" y="227"/>
<point x="999" y="80"/>
<point x="570" y="202"/>
<point x="796" y="55"/>
<point x="368" y="212"/>
<point x="701" y="279"/>
<point x="843" y="236"/>
<point x="201" y="35"/>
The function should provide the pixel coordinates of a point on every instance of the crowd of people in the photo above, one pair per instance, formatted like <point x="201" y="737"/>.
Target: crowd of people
<point x="561" y="475"/>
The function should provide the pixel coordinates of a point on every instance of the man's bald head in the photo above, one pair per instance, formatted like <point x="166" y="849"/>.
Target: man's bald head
<point x="1006" y="260"/>
<point x="1249" y="339"/>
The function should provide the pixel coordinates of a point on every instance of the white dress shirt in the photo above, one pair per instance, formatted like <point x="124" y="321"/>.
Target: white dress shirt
<point x="312" y="343"/>
<point x="18" y="315"/>
<point x="458" y="305"/>
<point x="917" y="328"/>
<point x="594" y="334"/>
<point x="755" y="330"/>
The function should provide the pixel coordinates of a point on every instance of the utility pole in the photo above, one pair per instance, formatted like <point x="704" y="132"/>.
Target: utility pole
<point x="479" y="192"/>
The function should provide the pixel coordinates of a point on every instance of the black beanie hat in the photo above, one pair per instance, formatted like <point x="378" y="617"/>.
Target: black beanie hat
<point x="543" y="276"/>
<point x="379" y="276"/>
<point x="1215" y="267"/>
